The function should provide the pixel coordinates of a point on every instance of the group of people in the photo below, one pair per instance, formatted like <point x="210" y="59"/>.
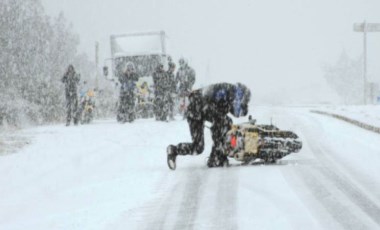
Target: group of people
<point x="166" y="86"/>
<point x="212" y="104"/>
<point x="170" y="87"/>
<point x="74" y="105"/>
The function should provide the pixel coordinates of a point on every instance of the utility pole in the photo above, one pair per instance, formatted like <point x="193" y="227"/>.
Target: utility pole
<point x="365" y="28"/>
<point x="96" y="64"/>
<point x="365" y="61"/>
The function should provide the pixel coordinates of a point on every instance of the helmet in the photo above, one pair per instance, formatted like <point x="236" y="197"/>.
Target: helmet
<point x="182" y="62"/>
<point x="130" y="66"/>
<point x="171" y="65"/>
<point x="160" y="67"/>
<point x="70" y="68"/>
<point x="242" y="96"/>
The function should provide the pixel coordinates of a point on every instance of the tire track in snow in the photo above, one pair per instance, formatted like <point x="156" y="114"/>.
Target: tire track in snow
<point x="330" y="200"/>
<point x="154" y="213"/>
<point x="318" y="176"/>
<point x="189" y="203"/>
<point x="159" y="211"/>
<point x="176" y="204"/>
<point x="226" y="199"/>
<point x="348" y="188"/>
<point x="355" y="195"/>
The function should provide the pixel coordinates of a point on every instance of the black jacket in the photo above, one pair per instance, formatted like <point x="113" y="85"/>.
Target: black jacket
<point x="216" y="100"/>
<point x="128" y="82"/>
<point x="162" y="83"/>
<point x="71" y="80"/>
<point x="185" y="79"/>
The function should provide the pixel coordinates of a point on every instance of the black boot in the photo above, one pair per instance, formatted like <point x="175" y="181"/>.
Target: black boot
<point x="172" y="155"/>
<point x="212" y="161"/>
<point x="217" y="160"/>
<point x="224" y="161"/>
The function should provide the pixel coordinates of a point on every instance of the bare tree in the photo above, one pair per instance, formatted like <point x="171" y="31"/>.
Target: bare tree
<point x="345" y="76"/>
<point x="34" y="52"/>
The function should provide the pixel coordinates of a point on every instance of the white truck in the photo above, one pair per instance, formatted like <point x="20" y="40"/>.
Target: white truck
<point x="145" y="50"/>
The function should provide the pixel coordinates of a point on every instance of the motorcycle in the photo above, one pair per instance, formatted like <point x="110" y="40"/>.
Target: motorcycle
<point x="249" y="141"/>
<point x="87" y="107"/>
<point x="145" y="103"/>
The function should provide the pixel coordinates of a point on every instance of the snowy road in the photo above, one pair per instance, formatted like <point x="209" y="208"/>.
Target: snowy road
<point x="343" y="178"/>
<point x="110" y="176"/>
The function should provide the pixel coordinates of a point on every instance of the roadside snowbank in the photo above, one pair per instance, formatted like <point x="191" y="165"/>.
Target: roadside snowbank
<point x="12" y="140"/>
<point x="368" y="114"/>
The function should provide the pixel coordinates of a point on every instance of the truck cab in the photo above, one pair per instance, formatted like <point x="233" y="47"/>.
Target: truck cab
<point x="145" y="50"/>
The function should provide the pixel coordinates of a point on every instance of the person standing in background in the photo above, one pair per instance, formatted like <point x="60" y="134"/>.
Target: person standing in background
<point x="185" y="80"/>
<point x="71" y="80"/>
<point x="171" y="90"/>
<point x="128" y="80"/>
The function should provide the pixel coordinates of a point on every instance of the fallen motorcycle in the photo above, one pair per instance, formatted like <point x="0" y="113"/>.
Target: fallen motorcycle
<point x="249" y="141"/>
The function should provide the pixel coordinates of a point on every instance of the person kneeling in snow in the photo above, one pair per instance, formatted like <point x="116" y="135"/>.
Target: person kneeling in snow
<point x="211" y="104"/>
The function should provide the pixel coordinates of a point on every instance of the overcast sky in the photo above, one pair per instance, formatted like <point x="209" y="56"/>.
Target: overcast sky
<point x="276" y="47"/>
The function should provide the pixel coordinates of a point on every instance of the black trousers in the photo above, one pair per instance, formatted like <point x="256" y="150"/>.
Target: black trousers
<point x="163" y="103"/>
<point x="71" y="106"/>
<point x="126" y="110"/>
<point x="196" y="119"/>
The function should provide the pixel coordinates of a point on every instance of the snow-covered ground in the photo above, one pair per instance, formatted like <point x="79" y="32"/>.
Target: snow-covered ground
<point x="12" y="139"/>
<point x="369" y="114"/>
<point x="111" y="176"/>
